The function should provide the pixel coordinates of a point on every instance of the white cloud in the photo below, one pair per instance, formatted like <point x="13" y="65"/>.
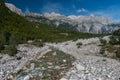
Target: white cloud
<point x="81" y="10"/>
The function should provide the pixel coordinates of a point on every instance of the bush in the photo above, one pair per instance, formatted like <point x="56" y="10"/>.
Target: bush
<point x="104" y="42"/>
<point x="1" y="46"/>
<point x="15" y="39"/>
<point x="114" y="40"/>
<point x="10" y="50"/>
<point x="117" y="52"/>
<point x="38" y="43"/>
<point x="79" y="44"/>
<point x="117" y="33"/>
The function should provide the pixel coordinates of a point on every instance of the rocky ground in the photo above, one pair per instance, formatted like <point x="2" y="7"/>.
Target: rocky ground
<point x="94" y="68"/>
<point x="12" y="65"/>
<point x="85" y="62"/>
<point x="90" y="65"/>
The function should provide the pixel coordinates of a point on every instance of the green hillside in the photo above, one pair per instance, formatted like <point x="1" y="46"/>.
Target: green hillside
<point x="115" y="38"/>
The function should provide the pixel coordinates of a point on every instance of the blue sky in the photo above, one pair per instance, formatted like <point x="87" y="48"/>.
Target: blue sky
<point x="107" y="8"/>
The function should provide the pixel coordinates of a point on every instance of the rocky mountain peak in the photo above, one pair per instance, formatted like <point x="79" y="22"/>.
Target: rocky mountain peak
<point x="89" y="24"/>
<point x="13" y="8"/>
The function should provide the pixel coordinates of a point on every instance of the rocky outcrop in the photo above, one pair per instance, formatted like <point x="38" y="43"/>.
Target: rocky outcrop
<point x="13" y="8"/>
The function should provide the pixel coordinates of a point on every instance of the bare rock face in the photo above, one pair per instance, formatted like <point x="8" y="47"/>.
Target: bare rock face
<point x="14" y="9"/>
<point x="89" y="24"/>
<point x="80" y="67"/>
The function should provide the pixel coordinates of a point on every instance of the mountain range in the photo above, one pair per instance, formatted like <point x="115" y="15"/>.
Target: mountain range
<point x="89" y="24"/>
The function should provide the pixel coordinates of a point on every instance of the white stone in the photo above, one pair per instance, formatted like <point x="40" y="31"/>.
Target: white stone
<point x="63" y="79"/>
<point x="64" y="60"/>
<point x="80" y="67"/>
<point x="26" y="77"/>
<point x="30" y="41"/>
<point x="54" y="54"/>
<point x="1" y="73"/>
<point x="57" y="67"/>
<point x="32" y="66"/>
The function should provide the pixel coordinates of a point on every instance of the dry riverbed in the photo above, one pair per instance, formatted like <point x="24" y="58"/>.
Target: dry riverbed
<point x="71" y="60"/>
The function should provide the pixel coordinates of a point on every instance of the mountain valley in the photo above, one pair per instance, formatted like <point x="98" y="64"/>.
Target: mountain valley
<point x="52" y="46"/>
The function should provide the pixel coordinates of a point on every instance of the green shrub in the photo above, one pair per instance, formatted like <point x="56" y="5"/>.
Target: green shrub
<point x="117" y="52"/>
<point x="116" y="33"/>
<point x="38" y="43"/>
<point x="104" y="42"/>
<point x="114" y="40"/>
<point x="1" y="46"/>
<point x="79" y="44"/>
<point x="10" y="50"/>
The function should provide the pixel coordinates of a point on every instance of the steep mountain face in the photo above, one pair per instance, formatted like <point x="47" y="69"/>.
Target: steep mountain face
<point x="89" y="24"/>
<point x="9" y="18"/>
<point x="62" y="23"/>
<point x="13" y="24"/>
<point x="14" y="8"/>
<point x="34" y="17"/>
